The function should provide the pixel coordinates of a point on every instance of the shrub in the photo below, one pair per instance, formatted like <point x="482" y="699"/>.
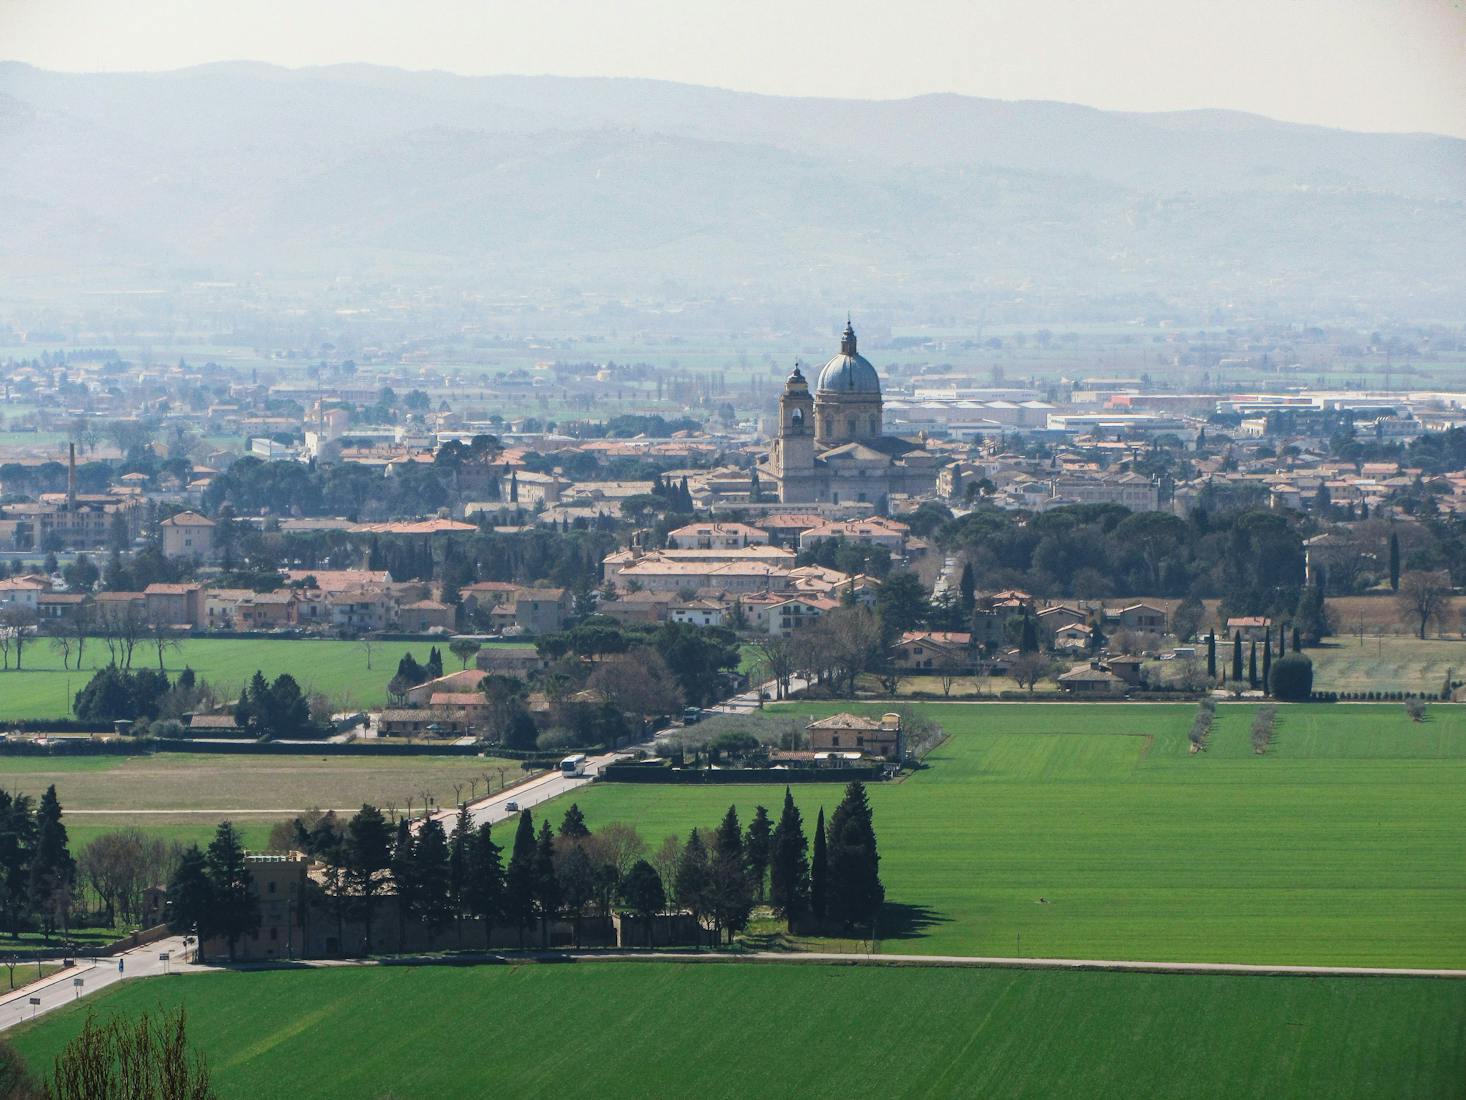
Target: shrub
<point x="1262" y="729"/>
<point x="1415" y="709"/>
<point x="1292" y="678"/>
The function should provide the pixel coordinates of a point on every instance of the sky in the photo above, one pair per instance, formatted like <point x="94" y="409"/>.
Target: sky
<point x="1390" y="65"/>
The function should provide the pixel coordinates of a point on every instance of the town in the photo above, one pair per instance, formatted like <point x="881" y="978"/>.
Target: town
<point x="587" y="585"/>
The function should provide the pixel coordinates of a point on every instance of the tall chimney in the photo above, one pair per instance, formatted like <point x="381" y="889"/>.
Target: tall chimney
<point x="71" y="479"/>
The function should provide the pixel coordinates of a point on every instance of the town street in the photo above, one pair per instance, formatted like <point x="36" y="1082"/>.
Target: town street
<point x="60" y="989"/>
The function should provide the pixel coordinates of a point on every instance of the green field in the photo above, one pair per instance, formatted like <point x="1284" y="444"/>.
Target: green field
<point x="336" y="669"/>
<point x="667" y="1030"/>
<point x="1090" y="832"/>
<point x="186" y="794"/>
<point x="1393" y="663"/>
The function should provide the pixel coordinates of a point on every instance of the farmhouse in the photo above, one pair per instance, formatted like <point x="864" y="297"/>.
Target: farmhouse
<point x="872" y="736"/>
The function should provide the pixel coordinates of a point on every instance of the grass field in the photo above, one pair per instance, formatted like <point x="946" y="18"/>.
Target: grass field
<point x="1387" y="663"/>
<point x="187" y="795"/>
<point x="1091" y="832"/>
<point x="336" y="669"/>
<point x="667" y="1029"/>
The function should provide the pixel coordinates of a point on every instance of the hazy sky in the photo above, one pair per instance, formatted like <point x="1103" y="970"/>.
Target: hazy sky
<point x="1361" y="64"/>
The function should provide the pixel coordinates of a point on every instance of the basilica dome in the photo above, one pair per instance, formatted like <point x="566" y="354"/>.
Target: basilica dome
<point x="849" y="372"/>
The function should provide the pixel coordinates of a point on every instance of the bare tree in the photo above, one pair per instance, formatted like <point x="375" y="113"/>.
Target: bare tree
<point x="777" y="653"/>
<point x="19" y="623"/>
<point x="163" y="639"/>
<point x="619" y="845"/>
<point x="856" y="645"/>
<point x="366" y="641"/>
<point x="1423" y="598"/>
<point x="1028" y="669"/>
<point x="62" y="644"/>
<point x="638" y="683"/>
<point x="948" y="674"/>
<point x="146" y="1058"/>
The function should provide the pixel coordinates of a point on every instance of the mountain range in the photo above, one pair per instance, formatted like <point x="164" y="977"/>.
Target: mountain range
<point x="636" y="189"/>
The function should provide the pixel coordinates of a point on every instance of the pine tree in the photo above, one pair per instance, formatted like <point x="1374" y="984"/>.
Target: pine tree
<point x="731" y="894"/>
<point x="855" y="890"/>
<point x="484" y="887"/>
<point x="234" y="909"/>
<point x="546" y="882"/>
<point x="819" y="871"/>
<point x="758" y="848"/>
<point x="52" y="870"/>
<point x="189" y="902"/>
<point x="366" y="853"/>
<point x="789" y="869"/>
<point x="432" y="882"/>
<point x="1394" y="562"/>
<point x="1237" y="657"/>
<point x="573" y="824"/>
<point x="519" y="879"/>
<point x="692" y="885"/>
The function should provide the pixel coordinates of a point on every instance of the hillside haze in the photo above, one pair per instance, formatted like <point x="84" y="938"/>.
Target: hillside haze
<point x="561" y="187"/>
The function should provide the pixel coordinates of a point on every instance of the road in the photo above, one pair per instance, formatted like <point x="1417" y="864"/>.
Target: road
<point x="495" y="808"/>
<point x="60" y="989"/>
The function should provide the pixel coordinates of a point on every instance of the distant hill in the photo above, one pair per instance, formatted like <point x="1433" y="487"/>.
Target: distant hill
<point x="547" y="185"/>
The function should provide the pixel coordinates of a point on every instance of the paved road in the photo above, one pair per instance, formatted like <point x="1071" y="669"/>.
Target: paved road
<point x="59" y="989"/>
<point x="495" y="808"/>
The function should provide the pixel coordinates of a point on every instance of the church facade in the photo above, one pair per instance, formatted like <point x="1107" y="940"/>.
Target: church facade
<point x="830" y="447"/>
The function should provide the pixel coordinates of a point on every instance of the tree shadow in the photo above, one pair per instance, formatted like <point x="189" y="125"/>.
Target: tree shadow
<point x="908" y="922"/>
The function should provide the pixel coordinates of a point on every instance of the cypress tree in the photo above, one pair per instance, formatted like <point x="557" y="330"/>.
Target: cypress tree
<point x="758" y="847"/>
<point x="967" y="587"/>
<point x="52" y="870"/>
<point x="855" y="890"/>
<point x="367" y="852"/>
<point x="458" y="849"/>
<point x="484" y="888"/>
<point x="1028" y="639"/>
<point x="1394" y="562"/>
<point x="1211" y="655"/>
<point x="546" y="881"/>
<point x="1296" y="640"/>
<point x="519" y="896"/>
<point x="431" y="875"/>
<point x="403" y="867"/>
<point x="789" y="871"/>
<point x="1267" y="664"/>
<point x="190" y="896"/>
<point x="1252" y="666"/>
<point x="819" y="870"/>
<point x="1236" y="656"/>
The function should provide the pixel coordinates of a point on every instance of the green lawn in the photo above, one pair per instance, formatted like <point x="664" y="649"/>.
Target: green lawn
<point x="667" y="1030"/>
<point x="1091" y="832"/>
<point x="337" y="669"/>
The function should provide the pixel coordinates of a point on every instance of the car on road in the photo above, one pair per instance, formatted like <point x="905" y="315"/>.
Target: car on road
<point x="512" y="807"/>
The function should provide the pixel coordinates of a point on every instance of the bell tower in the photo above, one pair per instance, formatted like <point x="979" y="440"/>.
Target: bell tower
<point x="792" y="454"/>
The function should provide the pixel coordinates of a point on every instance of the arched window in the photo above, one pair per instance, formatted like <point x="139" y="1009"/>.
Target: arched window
<point x="797" y="420"/>
<point x="872" y="425"/>
<point x="829" y="425"/>
<point x="853" y="429"/>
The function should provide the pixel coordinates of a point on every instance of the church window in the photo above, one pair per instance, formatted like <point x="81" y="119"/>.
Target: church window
<point x="853" y="428"/>
<point x="872" y="425"/>
<point x="798" y="418"/>
<point x="829" y="425"/>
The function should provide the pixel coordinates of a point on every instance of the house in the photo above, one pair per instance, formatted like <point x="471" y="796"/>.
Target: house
<point x="22" y="592"/>
<point x="798" y="613"/>
<point x="934" y="650"/>
<point x="873" y="736"/>
<point x="1129" y="668"/>
<point x="423" y="616"/>
<point x="716" y="536"/>
<point x="698" y="612"/>
<point x="468" y="680"/>
<point x="541" y="610"/>
<point x="510" y="660"/>
<point x="175" y="605"/>
<point x="1075" y="636"/>
<point x="643" y="608"/>
<point x="1092" y="679"/>
<point x="266" y="610"/>
<point x="419" y="722"/>
<point x="1142" y="617"/>
<point x="1053" y="619"/>
<point x="188" y="535"/>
